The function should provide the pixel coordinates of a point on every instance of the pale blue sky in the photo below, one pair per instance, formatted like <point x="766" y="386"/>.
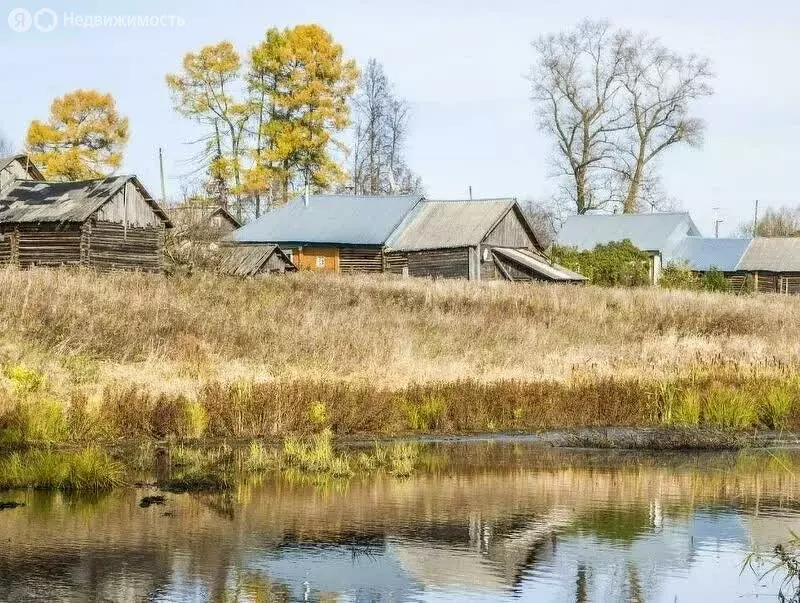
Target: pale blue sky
<point x="461" y="65"/>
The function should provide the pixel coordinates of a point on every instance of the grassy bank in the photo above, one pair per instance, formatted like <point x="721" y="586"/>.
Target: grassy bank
<point x="88" y="357"/>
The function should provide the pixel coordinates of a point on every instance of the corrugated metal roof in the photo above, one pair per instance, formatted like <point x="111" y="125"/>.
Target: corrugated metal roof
<point x="703" y="253"/>
<point x="441" y="224"/>
<point x="247" y="260"/>
<point x="772" y="255"/>
<point x="538" y="264"/>
<point x="650" y="232"/>
<point x="336" y="219"/>
<point x="36" y="201"/>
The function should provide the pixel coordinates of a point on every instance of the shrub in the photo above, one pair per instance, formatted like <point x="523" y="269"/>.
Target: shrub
<point x="679" y="276"/>
<point x="714" y="280"/>
<point x="35" y="420"/>
<point x="615" y="264"/>
<point x="427" y="415"/>
<point x="195" y="419"/>
<point x="24" y="379"/>
<point x="317" y="413"/>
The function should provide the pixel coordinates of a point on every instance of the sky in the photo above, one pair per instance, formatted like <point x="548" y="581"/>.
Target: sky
<point x="461" y="65"/>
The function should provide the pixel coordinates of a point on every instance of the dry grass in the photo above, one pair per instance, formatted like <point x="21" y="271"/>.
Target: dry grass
<point x="427" y="355"/>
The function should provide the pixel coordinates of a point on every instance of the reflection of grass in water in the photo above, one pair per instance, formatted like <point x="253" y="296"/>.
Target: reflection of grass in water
<point x="89" y="469"/>
<point x="619" y="523"/>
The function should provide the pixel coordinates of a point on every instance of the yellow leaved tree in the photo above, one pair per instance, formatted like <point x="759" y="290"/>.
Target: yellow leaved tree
<point x="301" y="83"/>
<point x="83" y="138"/>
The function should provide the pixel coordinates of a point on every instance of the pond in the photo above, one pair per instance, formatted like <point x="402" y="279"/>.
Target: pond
<point x="479" y="521"/>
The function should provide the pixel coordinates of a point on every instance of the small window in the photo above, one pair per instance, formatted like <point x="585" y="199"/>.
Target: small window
<point x="320" y="261"/>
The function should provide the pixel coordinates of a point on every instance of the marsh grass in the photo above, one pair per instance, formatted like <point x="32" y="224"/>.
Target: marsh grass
<point x="89" y="469"/>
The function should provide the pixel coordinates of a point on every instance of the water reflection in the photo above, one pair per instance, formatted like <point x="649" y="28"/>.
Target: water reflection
<point x="493" y="522"/>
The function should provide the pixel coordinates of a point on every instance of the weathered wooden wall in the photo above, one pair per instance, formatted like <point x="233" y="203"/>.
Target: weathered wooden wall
<point x="396" y="262"/>
<point x="29" y="245"/>
<point x="361" y="259"/>
<point x="442" y="263"/>
<point x="510" y="232"/>
<point x="129" y="208"/>
<point x="13" y="171"/>
<point x="113" y="246"/>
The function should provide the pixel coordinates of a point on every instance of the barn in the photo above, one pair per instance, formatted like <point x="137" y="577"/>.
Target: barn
<point x="107" y="223"/>
<point x="203" y="222"/>
<point x="253" y="260"/>
<point x="482" y="239"/>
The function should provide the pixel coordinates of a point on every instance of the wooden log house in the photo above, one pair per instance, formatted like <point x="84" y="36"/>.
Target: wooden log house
<point x="108" y="223"/>
<point x="406" y="234"/>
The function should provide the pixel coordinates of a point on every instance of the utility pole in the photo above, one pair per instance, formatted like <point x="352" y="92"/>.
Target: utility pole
<point x="717" y="222"/>
<point x="470" y="192"/>
<point x="755" y="222"/>
<point x="161" y="170"/>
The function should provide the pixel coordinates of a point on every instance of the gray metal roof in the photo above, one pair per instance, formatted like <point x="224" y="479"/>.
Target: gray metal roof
<point x="539" y="264"/>
<point x="443" y="224"/>
<point x="37" y="201"/>
<point x="335" y="219"/>
<point x="772" y="255"/>
<point x="702" y="253"/>
<point x="247" y="260"/>
<point x="650" y="232"/>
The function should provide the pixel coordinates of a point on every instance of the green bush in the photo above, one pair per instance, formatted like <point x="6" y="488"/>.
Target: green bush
<point x="615" y="264"/>
<point x="714" y="280"/>
<point x="679" y="276"/>
<point x="35" y="420"/>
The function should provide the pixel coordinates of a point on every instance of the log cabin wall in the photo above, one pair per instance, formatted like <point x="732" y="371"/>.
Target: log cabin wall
<point x="29" y="245"/>
<point x="361" y="259"/>
<point x="396" y="262"/>
<point x="110" y="246"/>
<point x="440" y="263"/>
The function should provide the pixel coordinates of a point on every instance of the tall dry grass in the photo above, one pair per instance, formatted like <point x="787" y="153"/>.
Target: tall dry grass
<point x="135" y="353"/>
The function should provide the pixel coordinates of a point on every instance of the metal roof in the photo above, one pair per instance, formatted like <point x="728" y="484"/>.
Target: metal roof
<point x="247" y="260"/>
<point x="538" y="264"/>
<point x="443" y="224"/>
<point x="772" y="255"/>
<point x="36" y="201"/>
<point x="703" y="254"/>
<point x="334" y="219"/>
<point x="650" y="232"/>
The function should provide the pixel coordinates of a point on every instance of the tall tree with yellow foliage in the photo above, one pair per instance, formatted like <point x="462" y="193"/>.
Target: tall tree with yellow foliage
<point x="208" y="90"/>
<point x="303" y="81"/>
<point x="83" y="138"/>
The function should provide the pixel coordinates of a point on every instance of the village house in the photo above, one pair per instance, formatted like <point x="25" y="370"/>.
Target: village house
<point x="673" y="238"/>
<point x="196" y="220"/>
<point x="106" y="223"/>
<point x="407" y="234"/>
<point x="17" y="167"/>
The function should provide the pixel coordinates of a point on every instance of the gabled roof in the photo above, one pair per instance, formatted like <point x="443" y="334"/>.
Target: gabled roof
<point x="703" y="254"/>
<point x="445" y="224"/>
<point x="36" y="201"/>
<point x="196" y="213"/>
<point x="330" y="219"/>
<point x="247" y="260"/>
<point x="772" y="255"/>
<point x="649" y="232"/>
<point x="539" y="264"/>
<point x="23" y="159"/>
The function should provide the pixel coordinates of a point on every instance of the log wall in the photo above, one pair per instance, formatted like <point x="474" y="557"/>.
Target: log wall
<point x="440" y="263"/>
<point x="110" y="246"/>
<point x="361" y="259"/>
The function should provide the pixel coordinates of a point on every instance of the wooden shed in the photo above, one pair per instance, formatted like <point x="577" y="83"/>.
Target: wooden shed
<point x="253" y="260"/>
<point x="108" y="223"/>
<point x="202" y="222"/>
<point x="17" y="167"/>
<point x="774" y="264"/>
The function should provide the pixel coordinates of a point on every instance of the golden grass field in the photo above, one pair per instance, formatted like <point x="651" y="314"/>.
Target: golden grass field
<point x="384" y="353"/>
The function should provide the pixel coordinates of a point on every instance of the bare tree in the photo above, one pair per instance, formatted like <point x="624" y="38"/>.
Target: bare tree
<point x="381" y="128"/>
<point x="575" y="81"/>
<point x="781" y="222"/>
<point x="6" y="147"/>
<point x="544" y="220"/>
<point x="659" y="85"/>
<point x="612" y="103"/>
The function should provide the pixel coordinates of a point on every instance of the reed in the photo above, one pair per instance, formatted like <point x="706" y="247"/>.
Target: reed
<point x="89" y="469"/>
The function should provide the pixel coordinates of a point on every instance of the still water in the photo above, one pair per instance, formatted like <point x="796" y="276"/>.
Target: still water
<point x="479" y="522"/>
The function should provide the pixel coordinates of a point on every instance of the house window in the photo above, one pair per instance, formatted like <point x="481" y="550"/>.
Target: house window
<point x="320" y="261"/>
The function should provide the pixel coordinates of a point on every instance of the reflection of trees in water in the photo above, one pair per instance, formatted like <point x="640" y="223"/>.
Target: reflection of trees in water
<point x="504" y="523"/>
